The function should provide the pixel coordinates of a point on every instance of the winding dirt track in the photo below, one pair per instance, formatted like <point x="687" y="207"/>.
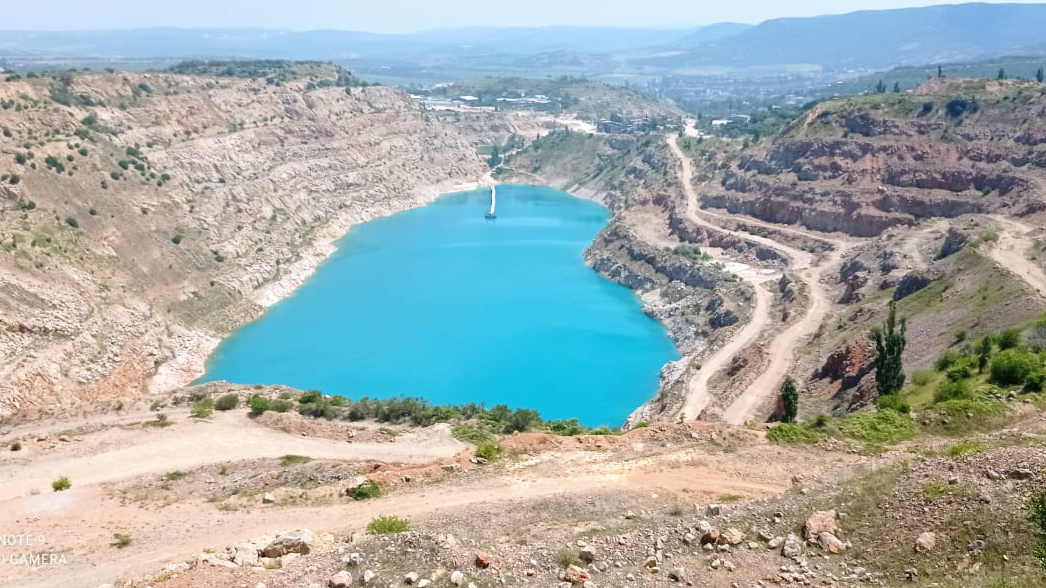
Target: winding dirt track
<point x="1011" y="252"/>
<point x="782" y="349"/>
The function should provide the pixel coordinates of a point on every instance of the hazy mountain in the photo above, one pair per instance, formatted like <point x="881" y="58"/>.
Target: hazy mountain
<point x="329" y="44"/>
<point x="877" y="38"/>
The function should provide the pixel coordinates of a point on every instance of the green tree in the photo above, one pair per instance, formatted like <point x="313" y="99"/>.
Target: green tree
<point x="889" y="342"/>
<point x="983" y="348"/>
<point x="790" y="399"/>
<point x="880" y="87"/>
<point x="1038" y="75"/>
<point x="940" y="72"/>
<point x="897" y="87"/>
<point x="1002" y="74"/>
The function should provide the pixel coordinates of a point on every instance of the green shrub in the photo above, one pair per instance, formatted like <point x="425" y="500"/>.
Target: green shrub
<point x="227" y="402"/>
<point x="946" y="360"/>
<point x="1009" y="339"/>
<point x="202" y="409"/>
<point x="310" y="396"/>
<point x="61" y="484"/>
<point x="1013" y="366"/>
<point x="258" y="404"/>
<point x="387" y="525"/>
<point x="488" y="451"/>
<point x="72" y="222"/>
<point x="121" y="540"/>
<point x="952" y="390"/>
<point x="159" y="420"/>
<point x="893" y="402"/>
<point x="883" y="427"/>
<point x="792" y="433"/>
<point x="16" y="446"/>
<point x="370" y="489"/>
<point x="174" y="476"/>
<point x="472" y="434"/>
<point x="1036" y="381"/>
<point x="177" y="239"/>
<point x="281" y="405"/>
<point x="1036" y="505"/>
<point x="964" y="448"/>
<point x="568" y="557"/>
<point x="290" y="459"/>
<point x="922" y="377"/>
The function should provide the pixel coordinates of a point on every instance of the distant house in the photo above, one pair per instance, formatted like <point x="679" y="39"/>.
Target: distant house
<point x="720" y="122"/>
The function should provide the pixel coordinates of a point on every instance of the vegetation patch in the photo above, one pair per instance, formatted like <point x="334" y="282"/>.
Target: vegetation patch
<point x="291" y="459"/>
<point x="388" y="525"/>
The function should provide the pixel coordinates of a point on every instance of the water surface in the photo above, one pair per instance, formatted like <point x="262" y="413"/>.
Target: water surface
<point x="440" y="303"/>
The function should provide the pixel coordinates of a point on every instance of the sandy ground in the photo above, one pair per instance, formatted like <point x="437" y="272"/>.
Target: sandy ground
<point x="782" y="349"/>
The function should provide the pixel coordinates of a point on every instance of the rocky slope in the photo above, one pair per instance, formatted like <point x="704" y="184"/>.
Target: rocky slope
<point x="865" y="164"/>
<point x="144" y="216"/>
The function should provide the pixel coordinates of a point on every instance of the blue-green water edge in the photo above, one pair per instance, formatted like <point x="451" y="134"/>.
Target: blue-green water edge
<point x="440" y="303"/>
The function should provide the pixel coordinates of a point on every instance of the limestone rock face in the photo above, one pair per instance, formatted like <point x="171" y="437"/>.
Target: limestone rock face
<point x="251" y="183"/>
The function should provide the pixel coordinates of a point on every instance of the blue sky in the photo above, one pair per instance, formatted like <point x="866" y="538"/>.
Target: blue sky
<point x="410" y="15"/>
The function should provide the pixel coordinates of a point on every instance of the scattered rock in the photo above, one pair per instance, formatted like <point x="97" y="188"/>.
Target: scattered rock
<point x="246" y="555"/>
<point x="411" y="578"/>
<point x="483" y="560"/>
<point x="677" y="574"/>
<point x="713" y="510"/>
<point x="732" y="536"/>
<point x="368" y="575"/>
<point x="575" y="575"/>
<point x="791" y="547"/>
<point x="293" y="542"/>
<point x="830" y="542"/>
<point x="925" y="542"/>
<point x="1020" y="474"/>
<point x="340" y="580"/>
<point x="268" y="498"/>
<point x="822" y="521"/>
<point x="457" y="579"/>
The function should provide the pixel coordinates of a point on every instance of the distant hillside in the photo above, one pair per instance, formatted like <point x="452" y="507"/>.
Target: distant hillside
<point x="881" y="38"/>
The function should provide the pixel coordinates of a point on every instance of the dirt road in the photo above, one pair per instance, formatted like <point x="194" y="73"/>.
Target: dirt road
<point x="125" y="452"/>
<point x="1012" y="253"/>
<point x="80" y="522"/>
<point x="782" y="349"/>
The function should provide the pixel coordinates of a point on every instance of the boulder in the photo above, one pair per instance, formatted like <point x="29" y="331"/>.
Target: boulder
<point x="791" y="548"/>
<point x="368" y="575"/>
<point x="575" y="575"/>
<point x="340" y="580"/>
<point x="822" y="521"/>
<point x="830" y="542"/>
<point x="411" y="578"/>
<point x="246" y="555"/>
<point x="732" y="536"/>
<point x="355" y="484"/>
<point x="925" y="542"/>
<point x="268" y="498"/>
<point x="483" y="560"/>
<point x="293" y="542"/>
<point x="457" y="579"/>
<point x="677" y="574"/>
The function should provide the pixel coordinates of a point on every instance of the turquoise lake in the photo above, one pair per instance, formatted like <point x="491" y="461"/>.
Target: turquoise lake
<point x="438" y="302"/>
